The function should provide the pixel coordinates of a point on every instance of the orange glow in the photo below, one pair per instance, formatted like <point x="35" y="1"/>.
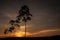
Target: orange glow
<point x="19" y="34"/>
<point x="22" y="34"/>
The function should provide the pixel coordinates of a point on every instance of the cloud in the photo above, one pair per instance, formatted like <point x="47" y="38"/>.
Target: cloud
<point x="44" y="33"/>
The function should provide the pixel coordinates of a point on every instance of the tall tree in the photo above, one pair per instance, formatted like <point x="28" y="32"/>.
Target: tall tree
<point x="24" y="15"/>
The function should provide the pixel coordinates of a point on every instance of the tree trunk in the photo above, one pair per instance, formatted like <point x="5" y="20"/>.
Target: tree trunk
<point x="25" y="29"/>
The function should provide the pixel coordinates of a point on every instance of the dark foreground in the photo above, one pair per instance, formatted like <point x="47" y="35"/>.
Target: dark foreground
<point x="32" y="38"/>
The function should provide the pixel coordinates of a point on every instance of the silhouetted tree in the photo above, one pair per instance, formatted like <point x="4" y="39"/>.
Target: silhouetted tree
<point x="24" y="15"/>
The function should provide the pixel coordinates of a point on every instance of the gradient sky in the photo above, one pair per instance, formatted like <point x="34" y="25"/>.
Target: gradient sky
<point x="46" y="14"/>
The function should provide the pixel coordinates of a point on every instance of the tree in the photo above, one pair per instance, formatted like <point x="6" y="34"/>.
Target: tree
<point x="24" y="15"/>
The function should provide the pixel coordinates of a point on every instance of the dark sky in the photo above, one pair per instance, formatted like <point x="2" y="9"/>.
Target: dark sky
<point x="46" y="14"/>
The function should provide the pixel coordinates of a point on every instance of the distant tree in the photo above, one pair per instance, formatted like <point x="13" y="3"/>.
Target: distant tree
<point x="24" y="15"/>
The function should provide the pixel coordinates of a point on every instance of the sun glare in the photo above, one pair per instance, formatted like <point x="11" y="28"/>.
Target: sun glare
<point x="19" y="34"/>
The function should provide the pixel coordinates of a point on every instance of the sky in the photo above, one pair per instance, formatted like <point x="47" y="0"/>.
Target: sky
<point x="46" y="16"/>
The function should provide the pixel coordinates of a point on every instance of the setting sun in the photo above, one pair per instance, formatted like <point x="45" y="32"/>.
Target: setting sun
<point x="19" y="34"/>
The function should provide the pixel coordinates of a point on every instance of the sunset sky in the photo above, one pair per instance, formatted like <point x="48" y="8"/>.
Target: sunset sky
<point x="45" y="20"/>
